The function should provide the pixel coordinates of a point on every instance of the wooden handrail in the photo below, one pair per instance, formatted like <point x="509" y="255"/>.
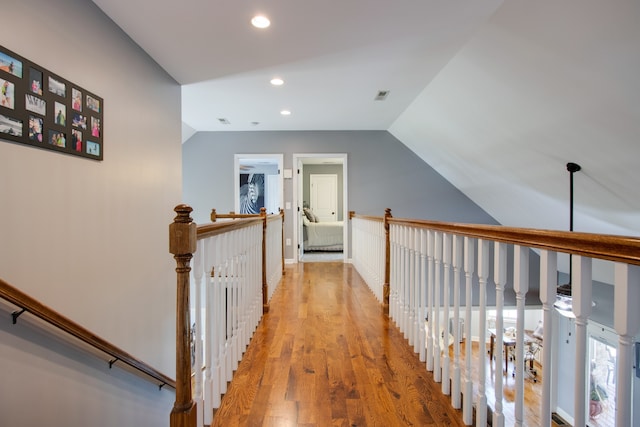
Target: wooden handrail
<point x="50" y="316"/>
<point x="602" y="246"/>
<point x="353" y="214"/>
<point x="213" y="229"/>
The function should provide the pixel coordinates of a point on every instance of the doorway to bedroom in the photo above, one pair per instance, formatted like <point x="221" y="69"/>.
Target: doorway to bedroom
<point x="258" y="183"/>
<point x="320" y="207"/>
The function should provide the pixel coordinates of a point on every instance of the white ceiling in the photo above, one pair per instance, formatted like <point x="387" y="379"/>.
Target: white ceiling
<point x="497" y="97"/>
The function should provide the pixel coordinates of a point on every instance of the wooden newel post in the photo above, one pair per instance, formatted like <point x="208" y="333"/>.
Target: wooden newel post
<point x="182" y="244"/>
<point x="283" y="240"/>
<point x="265" y="286"/>
<point x="387" y="262"/>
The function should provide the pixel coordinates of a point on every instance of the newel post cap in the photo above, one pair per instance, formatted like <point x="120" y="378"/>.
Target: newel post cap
<point x="182" y="232"/>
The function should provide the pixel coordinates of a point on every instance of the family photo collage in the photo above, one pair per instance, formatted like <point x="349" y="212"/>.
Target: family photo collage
<point x="41" y="109"/>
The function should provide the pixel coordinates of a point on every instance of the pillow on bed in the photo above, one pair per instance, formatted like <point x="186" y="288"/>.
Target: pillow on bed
<point x="310" y="215"/>
<point x="305" y="221"/>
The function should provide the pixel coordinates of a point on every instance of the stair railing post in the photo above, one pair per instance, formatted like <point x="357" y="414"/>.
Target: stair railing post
<point x="265" y="285"/>
<point x="387" y="262"/>
<point x="182" y="244"/>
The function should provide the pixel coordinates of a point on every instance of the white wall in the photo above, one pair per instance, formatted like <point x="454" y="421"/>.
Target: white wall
<point x="87" y="238"/>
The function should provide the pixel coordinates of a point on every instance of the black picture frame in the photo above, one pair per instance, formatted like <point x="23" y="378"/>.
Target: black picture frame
<point x="41" y="109"/>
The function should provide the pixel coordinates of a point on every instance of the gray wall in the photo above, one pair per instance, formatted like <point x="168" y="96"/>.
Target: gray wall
<point x="89" y="238"/>
<point x="382" y="172"/>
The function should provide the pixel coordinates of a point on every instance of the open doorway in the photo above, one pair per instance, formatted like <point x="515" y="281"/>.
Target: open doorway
<point x="321" y="214"/>
<point x="258" y="183"/>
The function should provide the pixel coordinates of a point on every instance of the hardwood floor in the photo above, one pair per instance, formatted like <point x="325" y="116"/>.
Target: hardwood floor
<point x="325" y="355"/>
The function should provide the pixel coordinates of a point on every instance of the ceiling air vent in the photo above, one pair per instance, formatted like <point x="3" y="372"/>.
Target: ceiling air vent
<point x="224" y="121"/>
<point x="382" y="95"/>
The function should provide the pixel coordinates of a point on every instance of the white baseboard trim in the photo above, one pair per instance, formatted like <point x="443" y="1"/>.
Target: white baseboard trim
<point x="290" y="261"/>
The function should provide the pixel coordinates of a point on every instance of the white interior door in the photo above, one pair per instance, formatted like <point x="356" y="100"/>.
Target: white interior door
<point x="324" y="196"/>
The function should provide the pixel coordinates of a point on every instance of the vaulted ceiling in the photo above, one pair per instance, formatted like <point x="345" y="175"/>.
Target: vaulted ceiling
<point x="496" y="96"/>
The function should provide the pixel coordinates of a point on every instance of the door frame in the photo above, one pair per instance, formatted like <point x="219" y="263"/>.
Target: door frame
<point x="298" y="165"/>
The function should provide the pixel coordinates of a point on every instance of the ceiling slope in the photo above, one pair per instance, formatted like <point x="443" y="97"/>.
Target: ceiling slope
<point x="541" y="84"/>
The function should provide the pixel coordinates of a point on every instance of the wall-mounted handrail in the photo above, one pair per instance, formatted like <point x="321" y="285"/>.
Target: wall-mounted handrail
<point x="31" y="305"/>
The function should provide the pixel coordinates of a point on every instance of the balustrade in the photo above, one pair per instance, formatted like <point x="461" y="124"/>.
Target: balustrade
<point x="237" y="265"/>
<point x="427" y="258"/>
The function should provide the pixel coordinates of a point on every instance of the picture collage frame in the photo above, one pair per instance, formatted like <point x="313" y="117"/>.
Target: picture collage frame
<point x="41" y="109"/>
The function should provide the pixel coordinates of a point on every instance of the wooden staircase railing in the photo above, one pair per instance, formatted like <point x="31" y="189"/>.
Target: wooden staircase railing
<point x="225" y="280"/>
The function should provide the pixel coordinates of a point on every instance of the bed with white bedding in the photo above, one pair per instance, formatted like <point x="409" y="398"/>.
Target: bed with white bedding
<point x="322" y="236"/>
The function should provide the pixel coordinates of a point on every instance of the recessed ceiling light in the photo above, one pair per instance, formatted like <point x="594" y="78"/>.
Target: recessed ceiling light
<point x="277" y="81"/>
<point x="285" y="112"/>
<point x="260" y="21"/>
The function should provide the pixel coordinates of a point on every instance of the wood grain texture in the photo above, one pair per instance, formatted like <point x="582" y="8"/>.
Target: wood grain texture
<point x="326" y="355"/>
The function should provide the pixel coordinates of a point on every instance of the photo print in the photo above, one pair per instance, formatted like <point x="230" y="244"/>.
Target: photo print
<point x="60" y="112"/>
<point x="35" y="77"/>
<point x="35" y="104"/>
<point x="76" y="99"/>
<point x="251" y="193"/>
<point x="10" y="65"/>
<point x="79" y="121"/>
<point x="93" y="103"/>
<point x="8" y="97"/>
<point x="57" y="87"/>
<point x="10" y="126"/>
<point x="95" y="127"/>
<point x="93" y="148"/>
<point x="35" y="128"/>
<point x="57" y="138"/>
<point x="76" y="140"/>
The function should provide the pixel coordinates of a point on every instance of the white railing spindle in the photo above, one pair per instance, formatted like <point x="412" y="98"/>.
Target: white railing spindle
<point x="430" y="293"/>
<point x="483" y="274"/>
<point x="627" y="325"/>
<point x="197" y="330"/>
<point x="457" y="263"/>
<point x="417" y="287"/>
<point x="469" y="266"/>
<point x="446" y="258"/>
<point x="581" y="304"/>
<point x="437" y="356"/>
<point x="548" y="273"/>
<point x="521" y="286"/>
<point x="500" y="279"/>
<point x="423" y="296"/>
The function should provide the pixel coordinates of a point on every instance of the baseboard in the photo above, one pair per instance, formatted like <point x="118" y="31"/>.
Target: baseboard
<point x="289" y="261"/>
